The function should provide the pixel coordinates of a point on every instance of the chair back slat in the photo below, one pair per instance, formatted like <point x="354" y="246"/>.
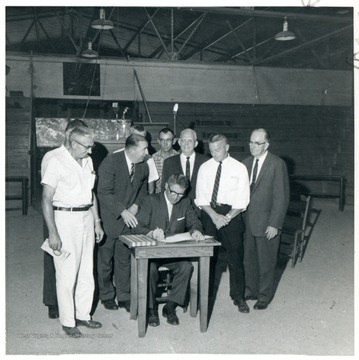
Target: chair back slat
<point x="295" y="224"/>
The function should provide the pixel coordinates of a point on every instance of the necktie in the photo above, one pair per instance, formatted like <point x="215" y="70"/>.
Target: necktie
<point x="216" y="185"/>
<point x="188" y="169"/>
<point x="132" y="172"/>
<point x="254" y="177"/>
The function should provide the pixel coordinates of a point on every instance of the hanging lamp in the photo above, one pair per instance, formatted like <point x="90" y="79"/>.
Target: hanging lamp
<point x="102" y="23"/>
<point x="285" y="35"/>
<point x="89" y="53"/>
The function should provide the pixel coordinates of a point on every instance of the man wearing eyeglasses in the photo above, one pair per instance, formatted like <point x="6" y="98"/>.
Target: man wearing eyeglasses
<point x="71" y="215"/>
<point x="166" y="140"/>
<point x="162" y="215"/>
<point x="187" y="162"/>
<point x="264" y="218"/>
<point x="49" y="283"/>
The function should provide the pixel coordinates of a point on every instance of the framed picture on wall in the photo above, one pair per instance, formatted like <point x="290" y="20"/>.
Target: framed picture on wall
<point x="81" y="79"/>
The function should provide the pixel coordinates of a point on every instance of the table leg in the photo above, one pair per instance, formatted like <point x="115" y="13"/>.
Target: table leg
<point x="194" y="290"/>
<point x="203" y="292"/>
<point x="134" y="288"/>
<point x="142" y="295"/>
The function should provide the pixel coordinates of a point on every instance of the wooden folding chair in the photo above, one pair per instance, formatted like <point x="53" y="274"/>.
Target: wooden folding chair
<point x="165" y="284"/>
<point x="293" y="234"/>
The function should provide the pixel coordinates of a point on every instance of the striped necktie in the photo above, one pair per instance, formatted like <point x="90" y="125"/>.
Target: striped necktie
<point x="254" y="177"/>
<point x="216" y="186"/>
<point x="132" y="172"/>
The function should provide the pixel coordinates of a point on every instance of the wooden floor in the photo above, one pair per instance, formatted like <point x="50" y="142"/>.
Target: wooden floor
<point x="312" y="312"/>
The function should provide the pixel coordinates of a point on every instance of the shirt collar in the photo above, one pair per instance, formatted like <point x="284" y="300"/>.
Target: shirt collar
<point x="128" y="161"/>
<point x="192" y="156"/>
<point x="262" y="157"/>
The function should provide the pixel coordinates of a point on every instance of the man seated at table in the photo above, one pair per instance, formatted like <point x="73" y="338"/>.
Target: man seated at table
<point x="160" y="216"/>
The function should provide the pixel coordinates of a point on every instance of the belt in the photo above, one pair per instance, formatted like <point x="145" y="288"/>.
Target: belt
<point x="83" y="208"/>
<point x="219" y="204"/>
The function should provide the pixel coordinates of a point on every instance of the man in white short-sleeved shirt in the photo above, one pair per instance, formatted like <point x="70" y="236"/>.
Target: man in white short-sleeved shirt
<point x="71" y="214"/>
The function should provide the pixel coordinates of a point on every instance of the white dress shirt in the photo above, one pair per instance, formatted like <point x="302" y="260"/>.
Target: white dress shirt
<point x="233" y="187"/>
<point x="169" y="207"/>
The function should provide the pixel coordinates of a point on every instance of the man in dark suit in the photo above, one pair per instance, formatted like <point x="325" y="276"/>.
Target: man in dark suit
<point x="122" y="187"/>
<point x="187" y="162"/>
<point x="264" y="218"/>
<point x="162" y="215"/>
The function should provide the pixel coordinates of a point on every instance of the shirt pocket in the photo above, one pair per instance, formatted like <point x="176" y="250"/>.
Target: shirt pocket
<point x="233" y="183"/>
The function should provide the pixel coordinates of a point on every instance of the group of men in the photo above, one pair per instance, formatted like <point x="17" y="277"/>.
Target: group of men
<point x="241" y="204"/>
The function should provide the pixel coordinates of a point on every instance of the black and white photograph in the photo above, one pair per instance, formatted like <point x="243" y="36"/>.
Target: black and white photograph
<point x="179" y="178"/>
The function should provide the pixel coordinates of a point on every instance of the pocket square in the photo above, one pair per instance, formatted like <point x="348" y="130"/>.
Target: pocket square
<point x="182" y="218"/>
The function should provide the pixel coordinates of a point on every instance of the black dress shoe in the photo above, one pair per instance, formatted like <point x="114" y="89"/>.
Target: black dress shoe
<point x="153" y="319"/>
<point x="242" y="306"/>
<point x="170" y="314"/>
<point x="53" y="311"/>
<point x="260" y="305"/>
<point x="72" y="331"/>
<point x="125" y="305"/>
<point x="89" y="324"/>
<point x="110" y="304"/>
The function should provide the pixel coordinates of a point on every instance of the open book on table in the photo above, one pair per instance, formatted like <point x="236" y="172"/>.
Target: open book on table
<point x="181" y="237"/>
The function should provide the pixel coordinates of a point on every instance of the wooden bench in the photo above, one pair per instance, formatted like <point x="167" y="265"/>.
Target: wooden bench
<point x="328" y="178"/>
<point x="24" y="193"/>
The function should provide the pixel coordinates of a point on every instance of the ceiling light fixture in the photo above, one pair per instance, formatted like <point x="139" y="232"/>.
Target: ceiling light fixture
<point x="89" y="53"/>
<point x="285" y="35"/>
<point x="102" y="23"/>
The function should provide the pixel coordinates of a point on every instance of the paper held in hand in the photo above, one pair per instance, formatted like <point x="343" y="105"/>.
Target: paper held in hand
<point x="182" y="237"/>
<point x="61" y="255"/>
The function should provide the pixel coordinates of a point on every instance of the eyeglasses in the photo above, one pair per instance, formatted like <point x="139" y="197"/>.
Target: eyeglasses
<point x="176" y="193"/>
<point x="88" y="147"/>
<point x="255" y="143"/>
<point x="166" y="140"/>
<point x="187" y="142"/>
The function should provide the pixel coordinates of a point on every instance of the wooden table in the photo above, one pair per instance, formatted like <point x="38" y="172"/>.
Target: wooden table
<point x="202" y="250"/>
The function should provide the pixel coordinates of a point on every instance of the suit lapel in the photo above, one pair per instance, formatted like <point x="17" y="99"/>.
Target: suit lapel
<point x="179" y="165"/>
<point x="174" y="217"/>
<point x="264" y="168"/>
<point x="123" y="166"/>
<point x="164" y="210"/>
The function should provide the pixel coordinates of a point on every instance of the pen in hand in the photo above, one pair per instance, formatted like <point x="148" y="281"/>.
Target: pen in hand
<point x="158" y="234"/>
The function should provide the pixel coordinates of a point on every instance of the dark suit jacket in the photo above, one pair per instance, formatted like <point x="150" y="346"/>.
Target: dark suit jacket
<point x="172" y="165"/>
<point x="116" y="192"/>
<point x="270" y="196"/>
<point x="153" y="213"/>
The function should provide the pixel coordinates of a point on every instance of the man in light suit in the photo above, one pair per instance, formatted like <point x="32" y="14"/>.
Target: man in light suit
<point x="264" y="218"/>
<point x="187" y="163"/>
<point x="162" y="215"/>
<point x="122" y="187"/>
